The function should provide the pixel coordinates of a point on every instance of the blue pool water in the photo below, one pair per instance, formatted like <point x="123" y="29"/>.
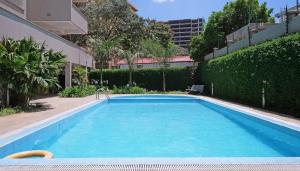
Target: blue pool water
<point x="163" y="126"/>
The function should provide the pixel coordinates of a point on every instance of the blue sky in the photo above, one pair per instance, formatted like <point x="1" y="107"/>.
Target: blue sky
<point x="163" y="10"/>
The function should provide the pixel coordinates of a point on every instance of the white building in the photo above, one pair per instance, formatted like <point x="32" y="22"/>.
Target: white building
<point x="45" y="21"/>
<point x="289" y="13"/>
<point x="176" y="61"/>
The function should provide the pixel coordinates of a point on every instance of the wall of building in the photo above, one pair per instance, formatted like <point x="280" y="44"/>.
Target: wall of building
<point x="17" y="28"/>
<point x="270" y="33"/>
<point x="53" y="10"/>
<point x="156" y="65"/>
<point x="17" y="7"/>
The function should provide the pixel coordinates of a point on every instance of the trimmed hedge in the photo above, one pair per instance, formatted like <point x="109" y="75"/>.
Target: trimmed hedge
<point x="151" y="79"/>
<point x="274" y="65"/>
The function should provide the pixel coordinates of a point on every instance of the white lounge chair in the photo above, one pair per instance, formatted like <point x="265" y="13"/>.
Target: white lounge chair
<point x="196" y="89"/>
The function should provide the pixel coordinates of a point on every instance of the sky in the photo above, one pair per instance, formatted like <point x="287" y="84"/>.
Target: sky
<point x="163" y="10"/>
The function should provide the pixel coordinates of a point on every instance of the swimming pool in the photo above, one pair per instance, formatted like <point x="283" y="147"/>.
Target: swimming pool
<point x="157" y="127"/>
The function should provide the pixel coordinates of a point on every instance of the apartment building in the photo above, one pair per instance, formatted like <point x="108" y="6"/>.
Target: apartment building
<point x="46" y="21"/>
<point x="184" y="30"/>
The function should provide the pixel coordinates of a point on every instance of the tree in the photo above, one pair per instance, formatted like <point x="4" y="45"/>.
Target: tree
<point x="81" y="78"/>
<point x="214" y="34"/>
<point x="235" y="15"/>
<point x="107" y="21"/>
<point x="180" y="51"/>
<point x="107" y="18"/>
<point x="103" y="51"/>
<point x="159" y="31"/>
<point x="169" y="52"/>
<point x="130" y="56"/>
<point x="27" y="67"/>
<point x="131" y="42"/>
<point x="198" y="48"/>
<point x="154" y="49"/>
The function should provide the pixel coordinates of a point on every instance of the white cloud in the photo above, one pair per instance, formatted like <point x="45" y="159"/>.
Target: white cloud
<point x="162" y="1"/>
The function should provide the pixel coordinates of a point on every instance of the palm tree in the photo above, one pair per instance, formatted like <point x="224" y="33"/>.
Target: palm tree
<point x="104" y="50"/>
<point x="81" y="75"/>
<point x="154" y="49"/>
<point x="130" y="56"/>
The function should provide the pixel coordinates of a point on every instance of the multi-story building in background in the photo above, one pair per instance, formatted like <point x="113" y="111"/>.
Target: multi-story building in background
<point x="183" y="30"/>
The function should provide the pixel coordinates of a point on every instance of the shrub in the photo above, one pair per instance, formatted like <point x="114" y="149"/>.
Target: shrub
<point x="274" y="65"/>
<point x="27" y="68"/>
<point x="150" y="79"/>
<point x="78" y="91"/>
<point x="9" y="111"/>
<point x="129" y="90"/>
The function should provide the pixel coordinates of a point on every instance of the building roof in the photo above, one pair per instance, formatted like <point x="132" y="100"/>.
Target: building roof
<point x="141" y="61"/>
<point x="133" y="8"/>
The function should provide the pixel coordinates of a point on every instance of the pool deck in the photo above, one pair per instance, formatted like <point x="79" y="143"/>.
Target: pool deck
<point x="52" y="106"/>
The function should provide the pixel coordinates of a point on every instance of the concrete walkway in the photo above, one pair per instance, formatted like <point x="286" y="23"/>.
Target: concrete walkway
<point x="51" y="106"/>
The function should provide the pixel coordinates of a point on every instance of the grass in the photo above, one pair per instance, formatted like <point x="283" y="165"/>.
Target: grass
<point x="15" y="110"/>
<point x="10" y="111"/>
<point x="139" y="90"/>
<point x="167" y="92"/>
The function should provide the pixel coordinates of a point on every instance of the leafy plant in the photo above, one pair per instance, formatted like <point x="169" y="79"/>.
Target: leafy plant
<point x="9" y="111"/>
<point x="198" y="48"/>
<point x="129" y="90"/>
<point x="274" y="65"/>
<point x="81" y="76"/>
<point x="78" y="91"/>
<point x="235" y="15"/>
<point x="27" y="67"/>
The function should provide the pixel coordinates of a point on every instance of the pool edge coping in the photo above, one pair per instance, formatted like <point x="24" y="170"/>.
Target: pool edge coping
<point x="154" y="161"/>
<point x="24" y="131"/>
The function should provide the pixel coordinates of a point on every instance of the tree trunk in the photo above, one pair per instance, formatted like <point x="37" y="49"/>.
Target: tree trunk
<point x="130" y="76"/>
<point x="7" y="97"/>
<point x="164" y="80"/>
<point x="130" y="65"/>
<point x="27" y="101"/>
<point x="101" y="74"/>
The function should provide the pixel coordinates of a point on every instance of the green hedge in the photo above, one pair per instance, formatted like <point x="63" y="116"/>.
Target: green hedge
<point x="240" y="76"/>
<point x="151" y="79"/>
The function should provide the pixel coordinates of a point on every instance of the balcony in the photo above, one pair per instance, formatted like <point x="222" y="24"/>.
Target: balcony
<point x="58" y="16"/>
<point x="80" y="1"/>
<point x="17" y="7"/>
